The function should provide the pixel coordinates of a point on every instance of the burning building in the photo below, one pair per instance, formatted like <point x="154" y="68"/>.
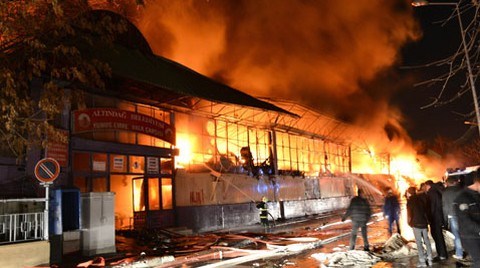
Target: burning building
<point x="180" y="149"/>
<point x="175" y="146"/>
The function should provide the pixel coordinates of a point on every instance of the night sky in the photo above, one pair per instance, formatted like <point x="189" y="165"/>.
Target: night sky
<point x="438" y="42"/>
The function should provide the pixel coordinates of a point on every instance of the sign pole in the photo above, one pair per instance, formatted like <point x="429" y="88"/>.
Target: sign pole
<point x="45" y="213"/>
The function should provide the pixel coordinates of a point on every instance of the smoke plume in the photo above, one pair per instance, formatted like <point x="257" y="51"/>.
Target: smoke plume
<point x="338" y="56"/>
<point x="321" y="53"/>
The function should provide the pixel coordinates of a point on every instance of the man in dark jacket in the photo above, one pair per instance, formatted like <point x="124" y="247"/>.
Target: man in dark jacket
<point x="417" y="218"/>
<point x="391" y="210"/>
<point x="359" y="211"/>
<point x="434" y="197"/>
<point x="467" y="208"/>
<point x="450" y="217"/>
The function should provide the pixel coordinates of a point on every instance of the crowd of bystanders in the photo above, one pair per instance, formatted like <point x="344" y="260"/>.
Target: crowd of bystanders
<point x="450" y="206"/>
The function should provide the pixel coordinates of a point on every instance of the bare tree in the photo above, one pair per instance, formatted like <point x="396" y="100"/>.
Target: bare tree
<point x="463" y="65"/>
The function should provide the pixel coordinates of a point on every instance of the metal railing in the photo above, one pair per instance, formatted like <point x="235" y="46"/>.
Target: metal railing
<point x="21" y="227"/>
<point x="22" y="220"/>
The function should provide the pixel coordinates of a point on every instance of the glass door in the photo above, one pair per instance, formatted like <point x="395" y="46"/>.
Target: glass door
<point x="152" y="202"/>
<point x="121" y="184"/>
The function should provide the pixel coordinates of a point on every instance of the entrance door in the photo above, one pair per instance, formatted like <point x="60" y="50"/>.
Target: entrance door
<point x="152" y="202"/>
<point x="122" y="185"/>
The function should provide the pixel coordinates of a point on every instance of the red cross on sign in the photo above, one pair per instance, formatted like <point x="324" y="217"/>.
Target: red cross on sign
<point x="47" y="170"/>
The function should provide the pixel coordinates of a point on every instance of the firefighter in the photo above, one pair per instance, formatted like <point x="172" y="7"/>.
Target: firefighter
<point x="262" y="206"/>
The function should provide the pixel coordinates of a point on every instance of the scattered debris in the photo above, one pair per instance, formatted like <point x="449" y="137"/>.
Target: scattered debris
<point x="142" y="262"/>
<point x="352" y="258"/>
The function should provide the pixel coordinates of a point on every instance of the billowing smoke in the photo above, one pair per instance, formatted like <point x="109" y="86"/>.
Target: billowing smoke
<point x="336" y="55"/>
<point x="321" y="53"/>
<point x="329" y="54"/>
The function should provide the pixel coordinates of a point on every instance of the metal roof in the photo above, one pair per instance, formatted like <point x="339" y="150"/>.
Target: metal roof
<point x="163" y="77"/>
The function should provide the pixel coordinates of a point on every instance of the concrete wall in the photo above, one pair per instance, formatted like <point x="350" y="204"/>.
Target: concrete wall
<point x="294" y="209"/>
<point x="25" y="254"/>
<point x="204" y="189"/>
<point x="216" y="217"/>
<point x="206" y="203"/>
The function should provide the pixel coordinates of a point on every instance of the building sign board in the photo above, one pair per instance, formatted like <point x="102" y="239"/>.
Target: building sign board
<point x="97" y="119"/>
<point x="57" y="148"/>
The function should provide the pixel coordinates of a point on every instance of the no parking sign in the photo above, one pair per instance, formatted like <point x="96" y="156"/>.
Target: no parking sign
<point x="47" y="170"/>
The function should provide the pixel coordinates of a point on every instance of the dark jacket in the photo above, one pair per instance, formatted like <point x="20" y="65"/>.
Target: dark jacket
<point x="435" y="201"/>
<point x="417" y="211"/>
<point x="467" y="207"/>
<point x="391" y="207"/>
<point x="358" y="210"/>
<point x="448" y="196"/>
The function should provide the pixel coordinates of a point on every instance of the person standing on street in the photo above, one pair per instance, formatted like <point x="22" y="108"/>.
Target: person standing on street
<point x="448" y="197"/>
<point x="434" y="197"/>
<point x="417" y="219"/>
<point x="467" y="208"/>
<point x="391" y="210"/>
<point x="360" y="212"/>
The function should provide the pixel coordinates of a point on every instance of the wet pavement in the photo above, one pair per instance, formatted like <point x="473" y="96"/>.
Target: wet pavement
<point x="377" y="235"/>
<point x="325" y="228"/>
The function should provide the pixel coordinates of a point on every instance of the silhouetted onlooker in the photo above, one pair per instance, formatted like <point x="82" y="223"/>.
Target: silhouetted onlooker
<point x="359" y="211"/>
<point x="436" y="218"/>
<point x="417" y="219"/>
<point x="467" y="207"/>
<point x="391" y="210"/>
<point x="448" y="197"/>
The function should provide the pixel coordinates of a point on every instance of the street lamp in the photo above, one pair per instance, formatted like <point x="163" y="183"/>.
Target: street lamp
<point x="419" y="3"/>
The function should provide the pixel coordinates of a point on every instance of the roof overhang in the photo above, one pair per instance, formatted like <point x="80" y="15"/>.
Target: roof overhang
<point x="159" y="80"/>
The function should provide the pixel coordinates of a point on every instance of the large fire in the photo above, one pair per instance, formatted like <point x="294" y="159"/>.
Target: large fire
<point x="323" y="53"/>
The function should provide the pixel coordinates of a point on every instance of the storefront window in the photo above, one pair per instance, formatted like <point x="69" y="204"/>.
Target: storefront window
<point x="167" y="195"/>
<point x="144" y="139"/>
<point x="104" y="136"/>
<point x="81" y="183"/>
<point x="126" y="137"/>
<point x="137" y="164"/>
<point x="81" y="161"/>
<point x="138" y="195"/>
<point x="121" y="185"/>
<point x="99" y="184"/>
<point x="166" y="165"/>
<point x="153" y="192"/>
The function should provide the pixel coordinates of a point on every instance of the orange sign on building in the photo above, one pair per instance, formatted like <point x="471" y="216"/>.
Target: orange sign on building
<point x="88" y="120"/>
